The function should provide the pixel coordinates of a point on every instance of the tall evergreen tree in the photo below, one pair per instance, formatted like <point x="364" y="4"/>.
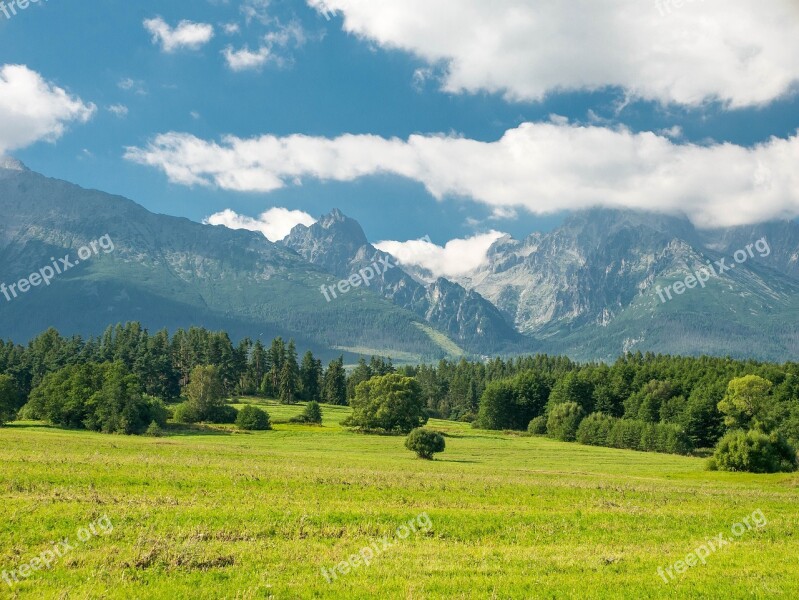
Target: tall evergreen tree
<point x="310" y="378"/>
<point x="335" y="383"/>
<point x="275" y="357"/>
<point x="289" y="376"/>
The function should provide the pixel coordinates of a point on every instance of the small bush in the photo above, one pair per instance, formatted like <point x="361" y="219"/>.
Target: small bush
<point x="311" y="415"/>
<point x="185" y="413"/>
<point x="252" y="418"/>
<point x="538" y="426"/>
<point x="223" y="414"/>
<point x="425" y="443"/>
<point x="754" y="452"/>
<point x="563" y="421"/>
<point x="154" y="430"/>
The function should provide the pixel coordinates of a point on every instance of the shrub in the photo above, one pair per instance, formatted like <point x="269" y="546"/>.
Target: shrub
<point x="312" y="414"/>
<point x="154" y="430"/>
<point x="595" y="429"/>
<point x="425" y="443"/>
<point x="222" y="414"/>
<point x="252" y="418"/>
<point x="185" y="413"/>
<point x="538" y="426"/>
<point x="754" y="452"/>
<point x="563" y="421"/>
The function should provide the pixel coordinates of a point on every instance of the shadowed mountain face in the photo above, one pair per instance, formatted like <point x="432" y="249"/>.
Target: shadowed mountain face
<point x="171" y="272"/>
<point x="592" y="289"/>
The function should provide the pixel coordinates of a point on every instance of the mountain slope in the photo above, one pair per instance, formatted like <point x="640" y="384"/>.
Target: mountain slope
<point x="172" y="272"/>
<point x="337" y="244"/>
<point x="589" y="288"/>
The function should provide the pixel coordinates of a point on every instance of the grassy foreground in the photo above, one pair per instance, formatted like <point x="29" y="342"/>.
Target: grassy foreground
<point x="231" y="515"/>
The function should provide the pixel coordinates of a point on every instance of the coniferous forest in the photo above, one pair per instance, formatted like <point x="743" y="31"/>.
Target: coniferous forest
<point x="125" y="379"/>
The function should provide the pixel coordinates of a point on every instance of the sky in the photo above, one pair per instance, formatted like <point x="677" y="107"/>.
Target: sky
<point x="461" y="120"/>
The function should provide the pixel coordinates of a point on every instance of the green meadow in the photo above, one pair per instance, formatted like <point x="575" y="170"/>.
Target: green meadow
<point x="215" y="513"/>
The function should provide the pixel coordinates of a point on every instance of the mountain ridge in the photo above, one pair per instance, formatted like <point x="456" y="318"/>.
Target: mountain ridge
<point x="587" y="289"/>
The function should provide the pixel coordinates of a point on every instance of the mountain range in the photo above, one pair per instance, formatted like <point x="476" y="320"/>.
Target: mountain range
<point x="592" y="289"/>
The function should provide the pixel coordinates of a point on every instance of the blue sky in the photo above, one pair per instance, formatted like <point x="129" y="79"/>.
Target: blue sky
<point x="387" y="72"/>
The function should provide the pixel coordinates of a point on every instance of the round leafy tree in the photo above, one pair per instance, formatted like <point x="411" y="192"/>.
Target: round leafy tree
<point x="391" y="403"/>
<point x="425" y="443"/>
<point x="252" y="418"/>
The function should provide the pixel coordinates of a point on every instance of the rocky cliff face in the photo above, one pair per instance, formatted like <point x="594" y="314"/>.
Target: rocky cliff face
<point x="338" y="245"/>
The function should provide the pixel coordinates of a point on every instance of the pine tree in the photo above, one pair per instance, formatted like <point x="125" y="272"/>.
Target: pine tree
<point x="257" y="366"/>
<point x="289" y="376"/>
<point x="310" y="375"/>
<point x="335" y="383"/>
<point x="275" y="356"/>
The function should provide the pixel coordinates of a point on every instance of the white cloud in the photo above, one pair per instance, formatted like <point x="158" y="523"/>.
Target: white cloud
<point x="32" y="109"/>
<point x="456" y="258"/>
<point x="282" y="36"/>
<point x="276" y="223"/>
<point x="231" y="28"/>
<point x="739" y="52"/>
<point x="245" y="59"/>
<point x="541" y="167"/>
<point x="186" y="35"/>
<point x="120" y="110"/>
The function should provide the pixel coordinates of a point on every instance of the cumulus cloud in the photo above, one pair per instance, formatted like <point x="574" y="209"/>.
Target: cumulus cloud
<point x="32" y="109"/>
<point x="246" y="59"/>
<point x="187" y="34"/>
<point x="457" y="257"/>
<point x="276" y="223"/>
<point x="738" y="52"/>
<point x="541" y="167"/>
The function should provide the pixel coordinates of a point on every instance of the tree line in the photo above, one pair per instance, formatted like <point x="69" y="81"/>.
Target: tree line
<point x="642" y="401"/>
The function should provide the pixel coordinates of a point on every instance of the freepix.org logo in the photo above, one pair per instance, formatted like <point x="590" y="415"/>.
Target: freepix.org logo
<point x="9" y="9"/>
<point x="46" y="274"/>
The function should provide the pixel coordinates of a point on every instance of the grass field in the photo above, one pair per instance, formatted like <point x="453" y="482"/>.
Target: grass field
<point x="218" y="514"/>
